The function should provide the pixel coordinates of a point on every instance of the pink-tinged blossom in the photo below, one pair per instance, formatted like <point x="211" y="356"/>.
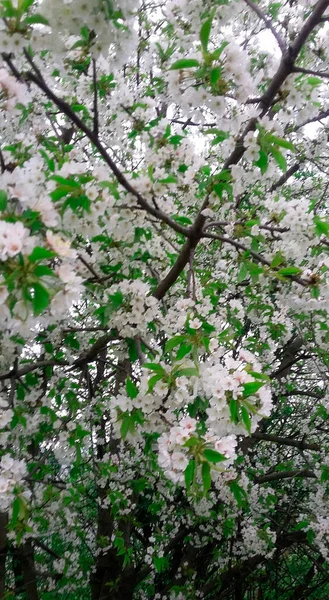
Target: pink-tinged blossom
<point x="14" y="238"/>
<point x="12" y="92"/>
<point x="59" y="245"/>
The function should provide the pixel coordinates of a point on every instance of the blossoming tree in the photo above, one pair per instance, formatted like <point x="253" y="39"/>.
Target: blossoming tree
<point x="164" y="265"/>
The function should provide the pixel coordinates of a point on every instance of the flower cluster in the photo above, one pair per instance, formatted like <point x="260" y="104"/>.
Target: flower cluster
<point x="237" y="394"/>
<point x="14" y="238"/>
<point x="6" y="415"/>
<point x="12" y="92"/>
<point x="133" y="307"/>
<point x="70" y="291"/>
<point x="12" y="472"/>
<point x="183" y="443"/>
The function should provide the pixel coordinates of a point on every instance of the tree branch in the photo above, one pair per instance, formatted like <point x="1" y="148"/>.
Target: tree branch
<point x="277" y="475"/>
<point x="276" y="439"/>
<point x="310" y="71"/>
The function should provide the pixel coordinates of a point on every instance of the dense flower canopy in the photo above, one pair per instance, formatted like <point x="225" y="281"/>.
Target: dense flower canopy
<point x="164" y="289"/>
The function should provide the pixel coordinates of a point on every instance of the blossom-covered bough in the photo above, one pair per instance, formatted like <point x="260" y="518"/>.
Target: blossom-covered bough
<point x="164" y="289"/>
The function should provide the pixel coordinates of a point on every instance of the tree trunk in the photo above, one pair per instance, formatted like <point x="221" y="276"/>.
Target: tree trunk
<point x="24" y="555"/>
<point x="3" y="553"/>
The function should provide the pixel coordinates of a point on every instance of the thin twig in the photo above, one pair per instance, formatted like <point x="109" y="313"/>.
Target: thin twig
<point x="96" y="122"/>
<point x="311" y="72"/>
<point x="88" y="266"/>
<point x="268" y="24"/>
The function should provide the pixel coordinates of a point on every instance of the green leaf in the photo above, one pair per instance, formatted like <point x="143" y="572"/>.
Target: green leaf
<point x="41" y="298"/>
<point x="213" y="456"/>
<point x="274" y="9"/>
<point x="184" y="63"/>
<point x="288" y="271"/>
<point x="155" y="367"/>
<point x="132" y="349"/>
<point x="126" y="425"/>
<point x="314" y="81"/>
<point x="42" y="271"/>
<point x="152" y="382"/>
<point x="138" y="416"/>
<point x="246" y="418"/>
<point x="175" y="140"/>
<point x="25" y="4"/>
<point x="220" y="135"/>
<point x="243" y="273"/>
<point x="256" y="375"/>
<point x="277" y="259"/>
<point x="234" y="411"/>
<point x="169" y="179"/>
<point x="206" y="476"/>
<point x="192" y="441"/>
<point x="216" y="53"/>
<point x="182" y="220"/>
<point x="262" y="162"/>
<point x="160" y="563"/>
<point x="205" y="33"/>
<point x="131" y="388"/>
<point x="39" y="253"/>
<point x="183" y="351"/>
<point x="112" y="187"/>
<point x="15" y="512"/>
<point x="238" y="493"/>
<point x="315" y="292"/>
<point x="310" y="536"/>
<point x="79" y="44"/>
<point x="273" y="139"/>
<point x="321" y="227"/>
<point x="173" y="342"/>
<point x="36" y="19"/>
<point x="66" y="182"/>
<point x="187" y="372"/>
<point x="116" y="300"/>
<point x="215" y="75"/>
<point x="3" y="200"/>
<point x="71" y="341"/>
<point x="189" y="473"/>
<point x="324" y="474"/>
<point x="251" y="388"/>
<point x="279" y="158"/>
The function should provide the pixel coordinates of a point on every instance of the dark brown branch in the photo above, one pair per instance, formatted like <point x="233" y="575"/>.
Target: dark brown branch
<point x="266" y="227"/>
<point x="322" y="115"/>
<point x="277" y="475"/>
<point x="184" y="255"/>
<point x="3" y="552"/>
<point x="32" y="367"/>
<point x="285" y="177"/>
<point x="7" y="57"/>
<point x="46" y="548"/>
<point x="276" y="439"/>
<point x="324" y="74"/>
<point x="286" y="365"/>
<point x="85" y="358"/>
<point x="88" y="266"/>
<point x="175" y="271"/>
